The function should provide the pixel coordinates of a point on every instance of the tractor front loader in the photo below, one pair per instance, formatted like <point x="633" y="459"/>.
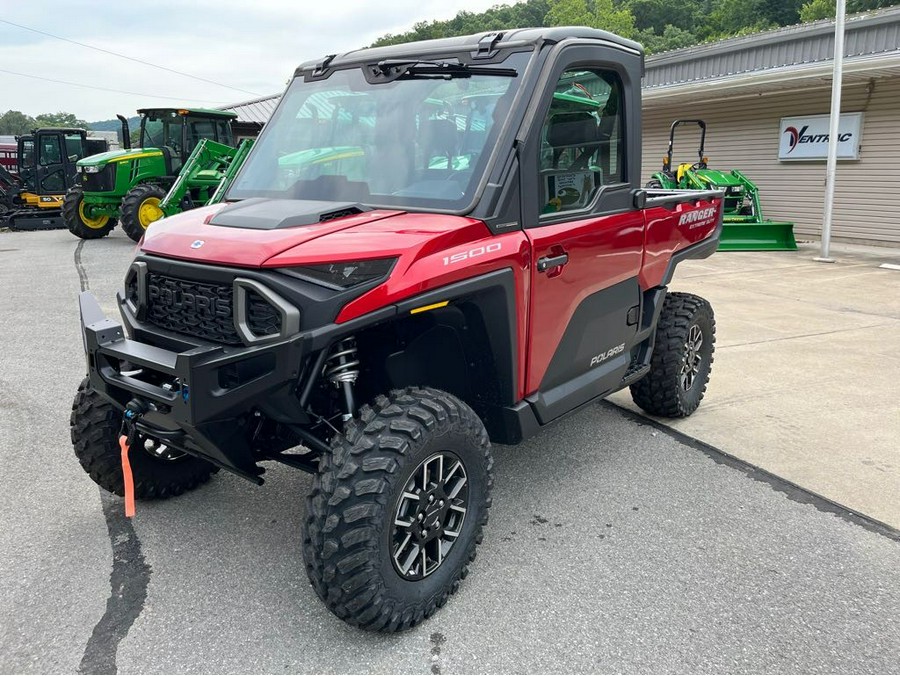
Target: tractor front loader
<point x="744" y="226"/>
<point x="205" y="176"/>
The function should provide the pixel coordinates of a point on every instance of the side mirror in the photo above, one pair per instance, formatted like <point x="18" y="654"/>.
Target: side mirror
<point x="639" y="198"/>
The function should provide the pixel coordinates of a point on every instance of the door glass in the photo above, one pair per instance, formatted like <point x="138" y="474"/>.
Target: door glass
<point x="199" y="129"/>
<point x="224" y="131"/>
<point x="50" y="152"/>
<point x="581" y="140"/>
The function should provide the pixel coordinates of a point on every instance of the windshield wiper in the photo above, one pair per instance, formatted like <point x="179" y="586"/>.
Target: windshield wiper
<point x="399" y="69"/>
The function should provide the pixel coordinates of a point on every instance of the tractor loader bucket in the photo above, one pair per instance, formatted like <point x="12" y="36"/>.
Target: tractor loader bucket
<point x="757" y="236"/>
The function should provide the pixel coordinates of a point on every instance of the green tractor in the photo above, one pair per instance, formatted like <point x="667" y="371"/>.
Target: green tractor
<point x="743" y="228"/>
<point x="128" y="185"/>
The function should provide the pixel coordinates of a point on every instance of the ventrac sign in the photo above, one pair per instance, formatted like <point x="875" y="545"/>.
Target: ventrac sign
<point x="806" y="138"/>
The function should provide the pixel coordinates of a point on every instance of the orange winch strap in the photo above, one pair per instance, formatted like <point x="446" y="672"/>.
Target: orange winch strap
<point x="126" y="475"/>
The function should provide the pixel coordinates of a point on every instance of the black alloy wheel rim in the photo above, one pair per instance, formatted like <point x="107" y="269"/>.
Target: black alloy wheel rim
<point x="693" y="360"/>
<point x="429" y="515"/>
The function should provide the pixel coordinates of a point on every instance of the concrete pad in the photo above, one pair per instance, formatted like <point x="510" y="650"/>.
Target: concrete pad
<point x="806" y="380"/>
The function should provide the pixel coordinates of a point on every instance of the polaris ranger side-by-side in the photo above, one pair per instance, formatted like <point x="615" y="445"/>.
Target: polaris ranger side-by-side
<point x="431" y="247"/>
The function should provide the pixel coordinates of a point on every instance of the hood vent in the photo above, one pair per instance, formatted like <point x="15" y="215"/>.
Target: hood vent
<point x="260" y="213"/>
<point x="340" y="213"/>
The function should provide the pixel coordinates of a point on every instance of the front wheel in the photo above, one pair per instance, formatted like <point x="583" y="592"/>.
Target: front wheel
<point x="398" y="508"/>
<point x="78" y="220"/>
<point x="159" y="472"/>
<point x="682" y="358"/>
<point x="140" y="208"/>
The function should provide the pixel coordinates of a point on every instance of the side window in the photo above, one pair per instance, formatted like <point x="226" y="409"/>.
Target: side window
<point x="74" y="147"/>
<point x="582" y="146"/>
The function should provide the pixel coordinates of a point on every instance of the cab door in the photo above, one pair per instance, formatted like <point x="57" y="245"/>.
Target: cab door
<point x="586" y="236"/>
<point x="51" y="163"/>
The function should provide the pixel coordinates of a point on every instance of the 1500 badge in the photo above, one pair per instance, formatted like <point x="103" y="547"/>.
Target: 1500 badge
<point x="472" y="253"/>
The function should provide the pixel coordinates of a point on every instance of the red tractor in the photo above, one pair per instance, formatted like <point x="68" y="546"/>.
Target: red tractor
<point x="432" y="247"/>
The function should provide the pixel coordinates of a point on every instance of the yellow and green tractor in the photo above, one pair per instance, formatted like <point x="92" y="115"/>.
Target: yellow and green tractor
<point x="127" y="186"/>
<point x="743" y="226"/>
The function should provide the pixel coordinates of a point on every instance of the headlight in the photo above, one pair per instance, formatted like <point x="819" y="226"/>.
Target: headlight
<point x="92" y="169"/>
<point x="342" y="276"/>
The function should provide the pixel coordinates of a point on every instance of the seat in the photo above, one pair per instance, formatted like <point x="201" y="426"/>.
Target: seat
<point x="576" y="130"/>
<point x="438" y="138"/>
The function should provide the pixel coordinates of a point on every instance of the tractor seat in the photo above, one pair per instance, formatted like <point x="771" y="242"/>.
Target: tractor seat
<point x="682" y="168"/>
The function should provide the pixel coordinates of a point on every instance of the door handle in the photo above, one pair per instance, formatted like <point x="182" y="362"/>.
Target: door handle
<point x="548" y="262"/>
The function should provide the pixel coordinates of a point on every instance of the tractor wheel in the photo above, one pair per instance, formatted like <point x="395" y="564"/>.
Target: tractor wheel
<point x="77" y="220"/>
<point x="140" y="208"/>
<point x="159" y="472"/>
<point x="398" y="508"/>
<point x="681" y="360"/>
<point x="654" y="183"/>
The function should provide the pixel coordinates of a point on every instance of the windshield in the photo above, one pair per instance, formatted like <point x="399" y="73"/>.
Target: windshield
<point x="159" y="131"/>
<point x="420" y="141"/>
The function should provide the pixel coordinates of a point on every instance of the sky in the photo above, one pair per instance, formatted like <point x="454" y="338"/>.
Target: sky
<point x="250" y="45"/>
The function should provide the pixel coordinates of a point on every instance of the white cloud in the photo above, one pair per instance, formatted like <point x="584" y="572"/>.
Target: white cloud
<point x="252" y="46"/>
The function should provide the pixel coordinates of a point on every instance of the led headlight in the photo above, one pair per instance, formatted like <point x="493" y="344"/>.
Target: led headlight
<point x="91" y="169"/>
<point x="340" y="276"/>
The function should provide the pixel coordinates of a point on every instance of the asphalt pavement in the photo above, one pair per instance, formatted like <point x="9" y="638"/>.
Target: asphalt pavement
<point x="614" y="545"/>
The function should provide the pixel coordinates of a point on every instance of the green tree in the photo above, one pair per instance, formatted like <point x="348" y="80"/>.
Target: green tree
<point x="813" y="10"/>
<point x="736" y="17"/>
<point x="60" y="119"/>
<point x="594" y="13"/>
<point x="817" y="9"/>
<point x="16" y="122"/>
<point x="672" y="37"/>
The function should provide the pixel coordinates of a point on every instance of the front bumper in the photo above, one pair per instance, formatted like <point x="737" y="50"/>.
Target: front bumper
<point x="194" y="396"/>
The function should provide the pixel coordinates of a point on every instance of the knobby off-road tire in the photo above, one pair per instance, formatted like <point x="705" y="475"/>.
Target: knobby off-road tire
<point x="350" y="535"/>
<point x="95" y="425"/>
<point x="680" y="366"/>
<point x="140" y="209"/>
<point x="77" y="221"/>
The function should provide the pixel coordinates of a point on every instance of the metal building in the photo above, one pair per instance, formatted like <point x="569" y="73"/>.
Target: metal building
<point x="758" y="91"/>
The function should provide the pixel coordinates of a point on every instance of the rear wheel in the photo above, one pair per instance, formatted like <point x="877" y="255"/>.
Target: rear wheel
<point x="159" y="472"/>
<point x="682" y="358"/>
<point x="78" y="220"/>
<point x="654" y="183"/>
<point x="397" y="509"/>
<point x="140" y="208"/>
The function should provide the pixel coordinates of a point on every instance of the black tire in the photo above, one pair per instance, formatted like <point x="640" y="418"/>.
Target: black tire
<point x="654" y="183"/>
<point x="141" y="195"/>
<point x="348" y="536"/>
<point x="675" y="385"/>
<point x="95" y="425"/>
<point x="75" y="221"/>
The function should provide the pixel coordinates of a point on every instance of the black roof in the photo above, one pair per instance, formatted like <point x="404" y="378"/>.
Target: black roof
<point x="510" y="38"/>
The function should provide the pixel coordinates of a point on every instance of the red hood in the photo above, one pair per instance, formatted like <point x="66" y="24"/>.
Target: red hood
<point x="189" y="236"/>
<point x="371" y="234"/>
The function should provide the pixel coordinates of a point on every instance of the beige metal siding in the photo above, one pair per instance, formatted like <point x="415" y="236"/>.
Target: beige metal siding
<point x="743" y="134"/>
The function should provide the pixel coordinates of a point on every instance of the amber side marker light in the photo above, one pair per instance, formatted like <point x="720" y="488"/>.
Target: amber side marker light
<point x="426" y="308"/>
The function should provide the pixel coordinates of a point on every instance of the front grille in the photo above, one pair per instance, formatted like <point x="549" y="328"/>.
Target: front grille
<point x="205" y="310"/>
<point x="103" y="181"/>
<point x="262" y="318"/>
